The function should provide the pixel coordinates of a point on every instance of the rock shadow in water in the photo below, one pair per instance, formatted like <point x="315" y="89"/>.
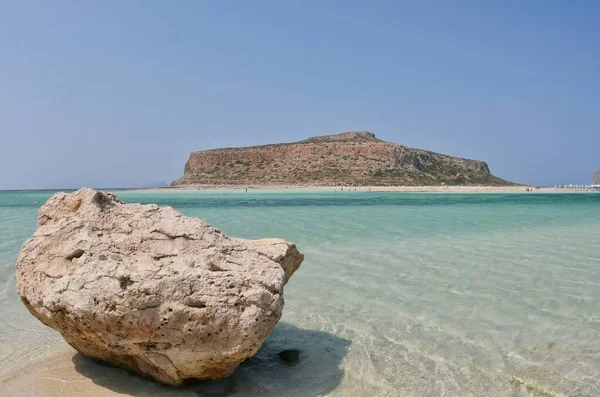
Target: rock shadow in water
<point x="317" y="372"/>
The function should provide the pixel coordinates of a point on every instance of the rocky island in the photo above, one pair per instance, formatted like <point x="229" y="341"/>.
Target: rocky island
<point x="349" y="159"/>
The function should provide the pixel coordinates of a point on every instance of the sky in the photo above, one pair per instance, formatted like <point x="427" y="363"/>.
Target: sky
<point x="118" y="93"/>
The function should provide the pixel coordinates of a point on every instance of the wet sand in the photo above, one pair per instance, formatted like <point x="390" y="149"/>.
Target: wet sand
<point x="69" y="374"/>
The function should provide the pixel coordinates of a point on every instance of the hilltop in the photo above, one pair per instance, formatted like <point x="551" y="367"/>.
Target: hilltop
<point x="349" y="158"/>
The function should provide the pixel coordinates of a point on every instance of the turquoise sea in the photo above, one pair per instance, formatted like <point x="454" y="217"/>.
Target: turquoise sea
<point x="399" y="295"/>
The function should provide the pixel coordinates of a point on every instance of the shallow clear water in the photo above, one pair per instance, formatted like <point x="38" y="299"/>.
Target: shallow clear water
<point x="399" y="294"/>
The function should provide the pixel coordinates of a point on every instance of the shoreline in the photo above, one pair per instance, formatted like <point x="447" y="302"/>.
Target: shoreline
<point x="376" y="189"/>
<point x="28" y="365"/>
<point x="67" y="373"/>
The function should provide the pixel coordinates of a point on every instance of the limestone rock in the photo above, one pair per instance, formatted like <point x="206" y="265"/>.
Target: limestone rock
<point x="145" y="288"/>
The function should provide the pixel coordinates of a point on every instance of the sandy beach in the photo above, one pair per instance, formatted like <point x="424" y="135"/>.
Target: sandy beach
<point x="390" y="189"/>
<point x="69" y="374"/>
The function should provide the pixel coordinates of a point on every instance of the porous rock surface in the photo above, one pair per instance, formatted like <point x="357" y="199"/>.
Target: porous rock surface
<point x="145" y="288"/>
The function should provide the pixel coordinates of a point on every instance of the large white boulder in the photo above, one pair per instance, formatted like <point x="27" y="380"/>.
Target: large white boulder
<point x="145" y="288"/>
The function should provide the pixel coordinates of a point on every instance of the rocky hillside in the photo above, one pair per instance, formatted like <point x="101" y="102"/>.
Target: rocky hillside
<point x="350" y="158"/>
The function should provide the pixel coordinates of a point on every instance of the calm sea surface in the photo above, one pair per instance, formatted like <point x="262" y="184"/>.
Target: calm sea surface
<point x="399" y="294"/>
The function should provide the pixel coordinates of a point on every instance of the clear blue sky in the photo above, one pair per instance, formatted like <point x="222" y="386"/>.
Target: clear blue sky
<point x="117" y="93"/>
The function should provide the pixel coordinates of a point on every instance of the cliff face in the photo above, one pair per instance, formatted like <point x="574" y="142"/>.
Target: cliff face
<point x="351" y="158"/>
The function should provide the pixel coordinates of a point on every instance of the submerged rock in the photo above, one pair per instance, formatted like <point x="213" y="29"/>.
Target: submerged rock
<point x="289" y="355"/>
<point x="145" y="288"/>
